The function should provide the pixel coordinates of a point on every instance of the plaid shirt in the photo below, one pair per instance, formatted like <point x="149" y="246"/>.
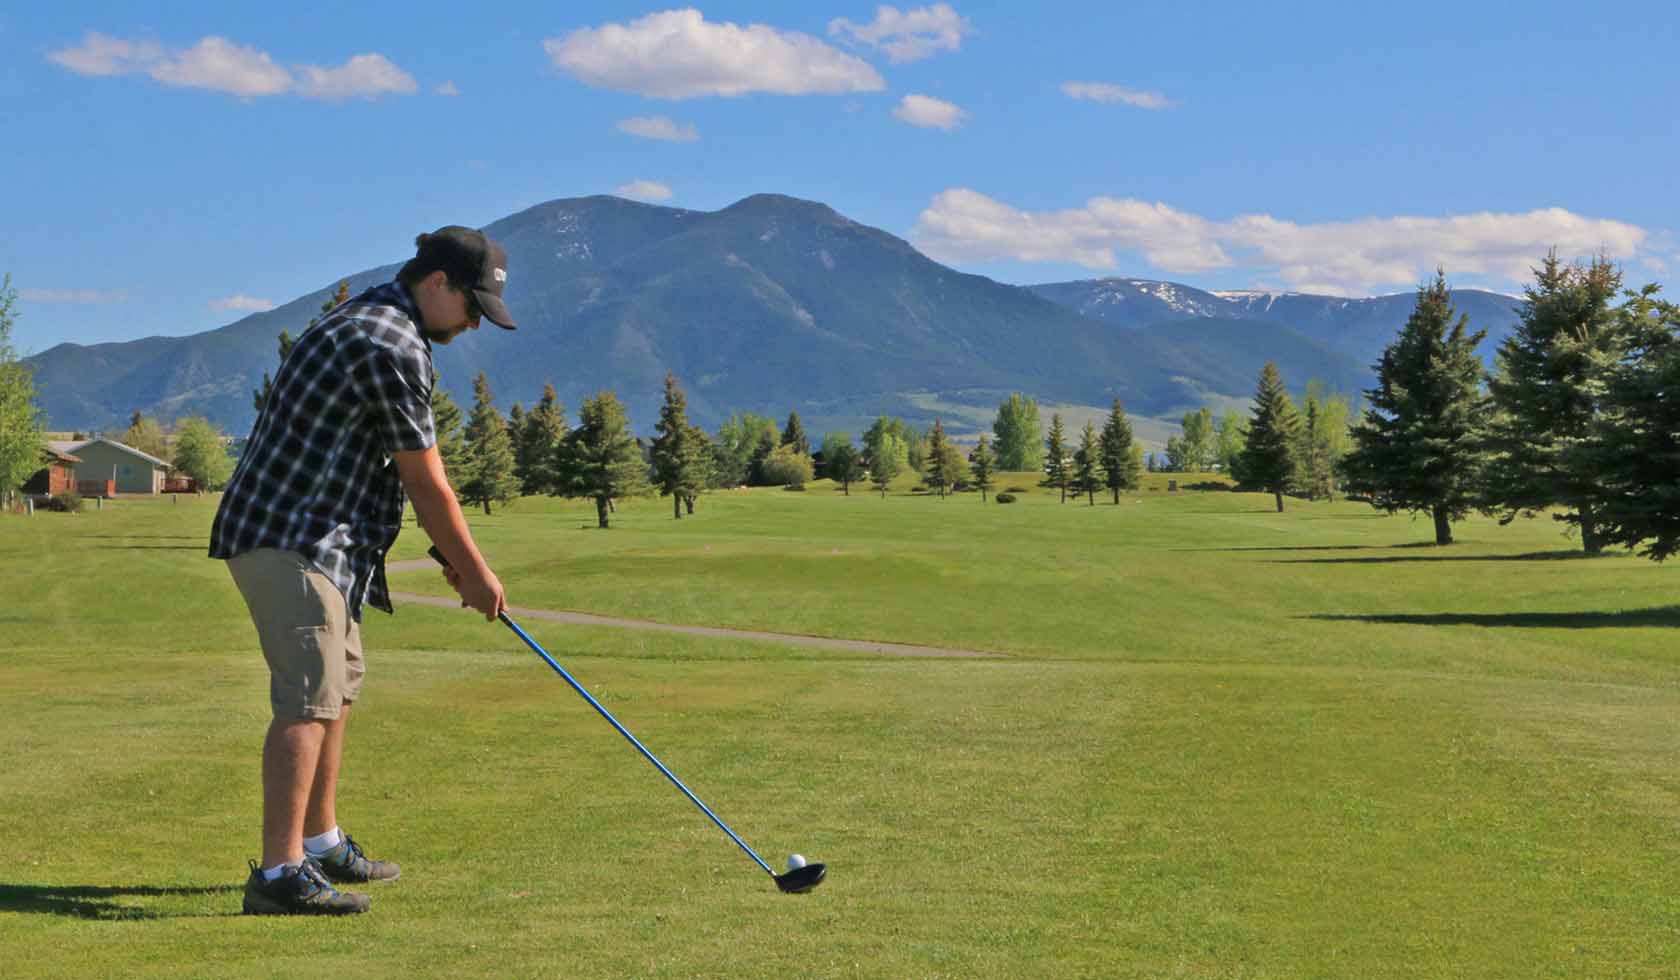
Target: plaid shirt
<point x="316" y="477"/>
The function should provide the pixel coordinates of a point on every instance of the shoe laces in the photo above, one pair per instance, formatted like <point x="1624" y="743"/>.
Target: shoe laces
<point x="311" y="880"/>
<point x="352" y="850"/>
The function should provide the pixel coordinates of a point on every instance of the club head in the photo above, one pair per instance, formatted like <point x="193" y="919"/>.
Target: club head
<point x="801" y="880"/>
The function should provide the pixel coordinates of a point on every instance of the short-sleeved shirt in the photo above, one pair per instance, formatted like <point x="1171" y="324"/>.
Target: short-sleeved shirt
<point x="317" y="476"/>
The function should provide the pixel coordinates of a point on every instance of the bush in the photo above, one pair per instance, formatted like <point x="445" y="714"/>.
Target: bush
<point x="1014" y="489"/>
<point x="800" y="487"/>
<point x="1005" y="498"/>
<point x="66" y="501"/>
<point x="786" y="466"/>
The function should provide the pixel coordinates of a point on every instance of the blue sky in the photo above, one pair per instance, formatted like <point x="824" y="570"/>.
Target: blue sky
<point x="173" y="167"/>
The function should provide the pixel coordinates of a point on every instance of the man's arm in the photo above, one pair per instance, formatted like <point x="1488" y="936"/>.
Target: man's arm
<point x="440" y="516"/>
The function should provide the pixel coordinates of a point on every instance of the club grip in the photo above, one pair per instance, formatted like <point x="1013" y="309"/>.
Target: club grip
<point x="437" y="556"/>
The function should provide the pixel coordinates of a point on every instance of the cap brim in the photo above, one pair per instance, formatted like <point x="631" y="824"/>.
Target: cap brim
<point x="494" y="310"/>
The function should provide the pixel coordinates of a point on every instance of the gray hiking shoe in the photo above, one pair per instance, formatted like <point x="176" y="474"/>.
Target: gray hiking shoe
<point x="347" y="863"/>
<point x="302" y="890"/>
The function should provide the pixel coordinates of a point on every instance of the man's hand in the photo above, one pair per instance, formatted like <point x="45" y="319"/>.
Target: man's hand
<point x="474" y="594"/>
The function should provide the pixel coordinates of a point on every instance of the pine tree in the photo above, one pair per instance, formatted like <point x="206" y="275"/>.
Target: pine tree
<point x="704" y="462"/>
<point x="1637" y="450"/>
<point x="340" y="296"/>
<point x="1268" y="459"/>
<point x="1119" y="454"/>
<point x="1418" y="446"/>
<point x="938" y="474"/>
<point x="982" y="462"/>
<point x="1056" y="462"/>
<point x="1086" y="464"/>
<point x="1546" y="396"/>
<point x="601" y="458"/>
<point x="489" y="476"/>
<point x="1018" y="435"/>
<point x="541" y="431"/>
<point x="1314" y="478"/>
<point x="446" y="423"/>
<point x="675" y="454"/>
<point x="21" y="443"/>
<point x="793" y="434"/>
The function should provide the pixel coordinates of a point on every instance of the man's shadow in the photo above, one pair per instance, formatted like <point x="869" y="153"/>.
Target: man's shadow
<point x="102" y="901"/>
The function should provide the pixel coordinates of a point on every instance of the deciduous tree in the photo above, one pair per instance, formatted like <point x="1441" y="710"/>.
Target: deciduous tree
<point x="1019" y="435"/>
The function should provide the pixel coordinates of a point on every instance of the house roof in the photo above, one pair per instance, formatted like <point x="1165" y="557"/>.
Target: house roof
<point x="70" y="447"/>
<point x="58" y="455"/>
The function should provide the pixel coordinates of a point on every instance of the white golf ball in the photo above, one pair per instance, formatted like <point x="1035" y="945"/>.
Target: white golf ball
<point x="796" y="861"/>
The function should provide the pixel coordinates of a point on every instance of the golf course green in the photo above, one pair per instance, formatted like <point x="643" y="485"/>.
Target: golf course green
<point x="1220" y="741"/>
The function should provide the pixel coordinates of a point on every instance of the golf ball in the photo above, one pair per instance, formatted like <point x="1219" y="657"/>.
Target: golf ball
<point x="796" y="861"/>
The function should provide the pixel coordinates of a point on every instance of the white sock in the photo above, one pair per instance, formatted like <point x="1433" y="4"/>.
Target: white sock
<point x="322" y="843"/>
<point x="269" y="874"/>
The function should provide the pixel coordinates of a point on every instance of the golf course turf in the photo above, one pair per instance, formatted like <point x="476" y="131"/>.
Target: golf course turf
<point x="1220" y="742"/>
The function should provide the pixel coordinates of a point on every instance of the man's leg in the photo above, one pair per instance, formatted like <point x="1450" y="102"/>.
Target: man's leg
<point x="291" y="756"/>
<point x="322" y="812"/>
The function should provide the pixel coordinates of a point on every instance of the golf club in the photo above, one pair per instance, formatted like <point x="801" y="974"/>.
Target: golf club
<point x="795" y="881"/>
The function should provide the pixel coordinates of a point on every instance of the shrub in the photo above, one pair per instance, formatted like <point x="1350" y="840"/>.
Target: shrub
<point x="1005" y="498"/>
<point x="66" y="501"/>
<point x="1014" y="489"/>
<point x="785" y="466"/>
<point x="800" y="487"/>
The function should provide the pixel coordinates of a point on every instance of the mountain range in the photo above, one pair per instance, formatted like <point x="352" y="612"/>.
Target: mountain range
<point x="776" y="303"/>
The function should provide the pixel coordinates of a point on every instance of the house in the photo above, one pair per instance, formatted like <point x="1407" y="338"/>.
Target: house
<point x="109" y="466"/>
<point x="59" y="476"/>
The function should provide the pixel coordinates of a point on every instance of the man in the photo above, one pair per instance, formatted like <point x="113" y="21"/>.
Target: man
<point x="305" y="525"/>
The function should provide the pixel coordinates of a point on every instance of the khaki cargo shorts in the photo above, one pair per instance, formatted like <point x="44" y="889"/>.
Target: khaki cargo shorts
<point x="313" y="647"/>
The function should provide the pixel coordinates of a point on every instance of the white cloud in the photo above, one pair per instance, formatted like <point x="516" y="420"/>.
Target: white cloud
<point x="678" y="54"/>
<point x="84" y="296"/>
<point x="220" y="65"/>
<point x="929" y="113"/>
<point x="1348" y="257"/>
<point x="447" y="88"/>
<point x="366" y="76"/>
<point x="239" y="301"/>
<point x="644" y="190"/>
<point x="658" y="128"/>
<point x="1104" y="92"/>
<point x="909" y="35"/>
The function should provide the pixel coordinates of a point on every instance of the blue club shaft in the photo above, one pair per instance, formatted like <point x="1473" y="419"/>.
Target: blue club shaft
<point x="632" y="739"/>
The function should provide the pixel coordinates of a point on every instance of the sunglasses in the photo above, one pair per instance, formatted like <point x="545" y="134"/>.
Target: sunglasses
<point x="474" y="311"/>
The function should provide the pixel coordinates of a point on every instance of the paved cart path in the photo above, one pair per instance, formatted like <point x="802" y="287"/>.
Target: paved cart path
<point x="590" y="619"/>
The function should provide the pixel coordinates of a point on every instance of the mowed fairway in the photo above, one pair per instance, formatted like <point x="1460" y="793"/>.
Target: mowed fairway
<point x="1224" y="742"/>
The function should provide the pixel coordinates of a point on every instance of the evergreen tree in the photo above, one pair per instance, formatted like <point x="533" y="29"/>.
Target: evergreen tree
<point x="1087" y="461"/>
<point x="938" y="474"/>
<point x="841" y="460"/>
<point x="1057" y="464"/>
<point x="446" y="423"/>
<point x="793" y="434"/>
<point x="601" y="459"/>
<point x="340" y="296"/>
<point x="199" y="453"/>
<point x="738" y="441"/>
<point x="887" y="461"/>
<point x="542" y="430"/>
<point x="1018" y="433"/>
<point x="1268" y="459"/>
<point x="1417" y="448"/>
<point x="1118" y="453"/>
<point x="1546" y="395"/>
<point x="983" y="463"/>
<point x="21" y="443"/>
<point x="676" y="470"/>
<point x="1637" y="450"/>
<point x="489" y="476"/>
<point x="767" y="444"/>
<point x="517" y="422"/>
<point x="145" y="434"/>
<point x="1314" y="477"/>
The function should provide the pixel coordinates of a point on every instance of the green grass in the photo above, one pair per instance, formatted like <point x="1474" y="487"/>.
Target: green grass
<point x="1226" y="742"/>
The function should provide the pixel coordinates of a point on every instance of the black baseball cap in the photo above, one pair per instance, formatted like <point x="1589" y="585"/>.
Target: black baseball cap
<point x="470" y="256"/>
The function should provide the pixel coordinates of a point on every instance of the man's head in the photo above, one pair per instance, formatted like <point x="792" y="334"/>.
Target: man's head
<point x="456" y="276"/>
